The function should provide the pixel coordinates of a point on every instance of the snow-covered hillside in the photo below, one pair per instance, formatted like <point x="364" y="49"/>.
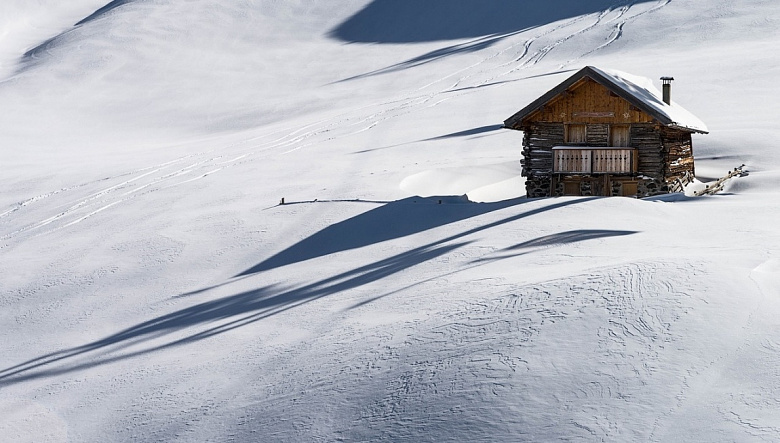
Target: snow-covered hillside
<point x="154" y="289"/>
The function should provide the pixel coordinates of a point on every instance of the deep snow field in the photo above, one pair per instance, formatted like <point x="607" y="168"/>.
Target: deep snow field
<point x="153" y="289"/>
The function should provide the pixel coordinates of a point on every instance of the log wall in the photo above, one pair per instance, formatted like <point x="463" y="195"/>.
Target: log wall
<point x="664" y="155"/>
<point x="540" y="137"/>
<point x="538" y="141"/>
<point x="598" y="135"/>
<point x="678" y="147"/>
<point x="647" y="140"/>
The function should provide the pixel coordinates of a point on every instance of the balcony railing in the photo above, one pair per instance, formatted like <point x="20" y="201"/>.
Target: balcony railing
<point x="607" y="160"/>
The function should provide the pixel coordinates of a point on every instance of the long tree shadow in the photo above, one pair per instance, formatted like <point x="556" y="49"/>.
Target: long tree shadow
<point x="108" y="7"/>
<point x="411" y="21"/>
<point x="467" y="132"/>
<point x="487" y="22"/>
<point x="536" y="244"/>
<point x="459" y="48"/>
<point x="567" y="237"/>
<point x="214" y="317"/>
<point x="387" y="222"/>
<point x="559" y="239"/>
<point x="218" y="316"/>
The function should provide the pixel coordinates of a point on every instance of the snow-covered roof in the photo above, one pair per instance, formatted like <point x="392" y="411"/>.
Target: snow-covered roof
<point x="637" y="90"/>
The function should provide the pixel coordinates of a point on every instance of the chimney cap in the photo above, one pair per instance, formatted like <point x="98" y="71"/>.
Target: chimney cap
<point x="667" y="80"/>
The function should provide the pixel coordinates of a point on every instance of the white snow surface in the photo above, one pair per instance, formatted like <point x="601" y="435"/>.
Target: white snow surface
<point x="643" y="89"/>
<point x="153" y="289"/>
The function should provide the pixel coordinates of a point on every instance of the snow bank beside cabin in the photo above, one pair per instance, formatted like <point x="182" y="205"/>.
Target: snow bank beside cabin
<point x="487" y="183"/>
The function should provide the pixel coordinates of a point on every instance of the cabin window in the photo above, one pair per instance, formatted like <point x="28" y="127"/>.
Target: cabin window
<point x="620" y="136"/>
<point x="576" y="134"/>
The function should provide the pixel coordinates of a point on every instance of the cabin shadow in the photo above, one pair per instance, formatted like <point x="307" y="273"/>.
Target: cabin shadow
<point x="412" y="21"/>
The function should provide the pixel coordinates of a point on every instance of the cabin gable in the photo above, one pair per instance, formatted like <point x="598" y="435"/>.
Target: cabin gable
<point x="588" y="102"/>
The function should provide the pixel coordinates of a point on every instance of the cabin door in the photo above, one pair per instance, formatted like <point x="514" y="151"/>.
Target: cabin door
<point x="571" y="188"/>
<point x="629" y="188"/>
<point x="601" y="186"/>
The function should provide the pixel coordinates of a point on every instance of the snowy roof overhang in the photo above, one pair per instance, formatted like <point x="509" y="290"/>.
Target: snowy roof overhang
<point x="639" y="91"/>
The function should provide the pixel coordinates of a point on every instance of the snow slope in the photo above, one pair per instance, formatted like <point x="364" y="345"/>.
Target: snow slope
<point x="154" y="289"/>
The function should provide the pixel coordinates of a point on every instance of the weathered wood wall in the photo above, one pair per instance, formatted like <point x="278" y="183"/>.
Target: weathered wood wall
<point x="537" y="162"/>
<point x="647" y="140"/>
<point x="589" y="102"/>
<point x="598" y="134"/>
<point x="664" y="155"/>
<point x="679" y="155"/>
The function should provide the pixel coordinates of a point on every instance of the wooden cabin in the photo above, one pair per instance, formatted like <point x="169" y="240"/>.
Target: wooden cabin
<point x="606" y="133"/>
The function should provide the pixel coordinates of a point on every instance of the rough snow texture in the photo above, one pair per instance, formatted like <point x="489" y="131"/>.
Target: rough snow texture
<point x="154" y="290"/>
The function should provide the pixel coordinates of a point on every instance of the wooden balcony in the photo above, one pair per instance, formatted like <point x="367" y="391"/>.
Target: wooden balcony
<point x="594" y="160"/>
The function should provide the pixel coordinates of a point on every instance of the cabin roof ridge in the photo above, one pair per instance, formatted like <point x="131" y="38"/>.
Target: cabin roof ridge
<point x="638" y="91"/>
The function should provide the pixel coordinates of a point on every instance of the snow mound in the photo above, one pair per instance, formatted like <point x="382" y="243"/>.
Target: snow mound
<point x="488" y="183"/>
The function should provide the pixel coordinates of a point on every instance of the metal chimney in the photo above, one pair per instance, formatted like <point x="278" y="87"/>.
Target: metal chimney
<point x="667" y="81"/>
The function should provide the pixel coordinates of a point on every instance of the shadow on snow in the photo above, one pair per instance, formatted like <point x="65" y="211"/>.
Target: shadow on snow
<point x="213" y="317"/>
<point x="472" y="46"/>
<point x="387" y="222"/>
<point x="485" y="22"/>
<point x="411" y="21"/>
<point x="467" y="133"/>
<point x="104" y="10"/>
<point x="48" y="44"/>
<point x="559" y="239"/>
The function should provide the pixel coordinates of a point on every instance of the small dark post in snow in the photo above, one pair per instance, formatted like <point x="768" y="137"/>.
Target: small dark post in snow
<point x="667" y="85"/>
<point x="281" y="202"/>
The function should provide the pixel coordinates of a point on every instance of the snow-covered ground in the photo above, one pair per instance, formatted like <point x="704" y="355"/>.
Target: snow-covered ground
<point x="153" y="289"/>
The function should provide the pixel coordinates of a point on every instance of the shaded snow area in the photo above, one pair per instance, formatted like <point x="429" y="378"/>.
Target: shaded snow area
<point x="154" y="289"/>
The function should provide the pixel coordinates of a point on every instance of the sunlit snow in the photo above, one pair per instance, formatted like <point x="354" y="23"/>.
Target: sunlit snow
<point x="154" y="288"/>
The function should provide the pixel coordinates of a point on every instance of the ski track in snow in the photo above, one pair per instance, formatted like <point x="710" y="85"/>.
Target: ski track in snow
<point x="642" y="315"/>
<point x="493" y="344"/>
<point x="402" y="106"/>
<point x="141" y="181"/>
<point x="343" y="125"/>
<point x="617" y="31"/>
<point x="495" y="347"/>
